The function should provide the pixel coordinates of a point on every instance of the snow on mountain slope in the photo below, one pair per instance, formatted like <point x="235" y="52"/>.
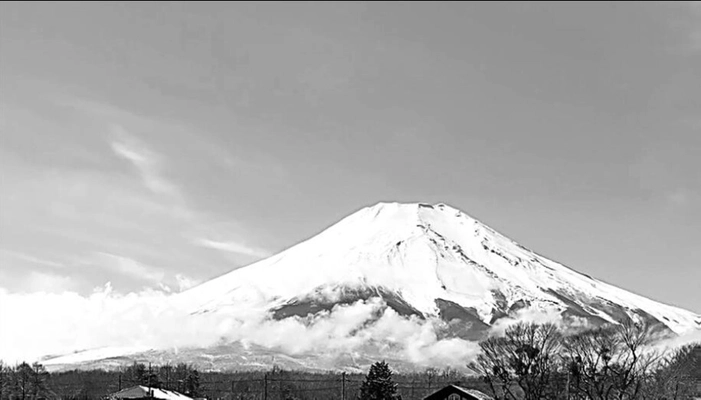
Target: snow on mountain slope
<point x="427" y="260"/>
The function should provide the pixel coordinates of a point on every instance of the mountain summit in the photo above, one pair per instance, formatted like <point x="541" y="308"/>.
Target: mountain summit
<point x="427" y="261"/>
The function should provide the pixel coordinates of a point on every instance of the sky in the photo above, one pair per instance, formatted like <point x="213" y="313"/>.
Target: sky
<point x="157" y="145"/>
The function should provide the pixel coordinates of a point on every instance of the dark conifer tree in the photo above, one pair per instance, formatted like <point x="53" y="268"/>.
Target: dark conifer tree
<point x="192" y="383"/>
<point x="379" y="384"/>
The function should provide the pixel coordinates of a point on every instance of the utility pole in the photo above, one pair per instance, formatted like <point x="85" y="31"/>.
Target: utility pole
<point x="120" y="381"/>
<point x="150" y="392"/>
<point x="343" y="385"/>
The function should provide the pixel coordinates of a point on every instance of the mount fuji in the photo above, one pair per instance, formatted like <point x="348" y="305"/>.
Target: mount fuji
<point x="417" y="283"/>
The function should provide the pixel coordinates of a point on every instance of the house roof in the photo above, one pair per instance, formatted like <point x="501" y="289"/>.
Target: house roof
<point x="450" y="389"/>
<point x="139" y="392"/>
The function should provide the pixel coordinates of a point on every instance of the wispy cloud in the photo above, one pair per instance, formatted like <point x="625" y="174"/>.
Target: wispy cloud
<point x="148" y="163"/>
<point x="233" y="247"/>
<point x="131" y="268"/>
<point x="109" y="218"/>
<point x="695" y="34"/>
<point x="30" y="259"/>
<point x="689" y="23"/>
<point x="677" y="198"/>
<point x="695" y="40"/>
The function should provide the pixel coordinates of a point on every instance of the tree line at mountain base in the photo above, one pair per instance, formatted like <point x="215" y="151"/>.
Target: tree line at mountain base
<point x="273" y="384"/>
<point x="528" y="362"/>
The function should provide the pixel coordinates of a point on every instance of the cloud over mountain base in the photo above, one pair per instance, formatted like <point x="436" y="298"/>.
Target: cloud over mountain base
<point x="107" y="324"/>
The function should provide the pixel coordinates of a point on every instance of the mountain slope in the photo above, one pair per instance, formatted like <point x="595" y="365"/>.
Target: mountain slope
<point x="424" y="260"/>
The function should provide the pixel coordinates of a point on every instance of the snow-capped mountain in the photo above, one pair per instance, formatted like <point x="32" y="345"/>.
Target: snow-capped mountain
<point x="413" y="283"/>
<point x="428" y="261"/>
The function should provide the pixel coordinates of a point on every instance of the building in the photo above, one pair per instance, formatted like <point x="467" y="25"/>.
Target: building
<point x="453" y="392"/>
<point x="144" y="392"/>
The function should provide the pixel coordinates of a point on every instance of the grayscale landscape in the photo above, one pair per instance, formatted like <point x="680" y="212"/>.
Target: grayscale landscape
<point x="350" y="200"/>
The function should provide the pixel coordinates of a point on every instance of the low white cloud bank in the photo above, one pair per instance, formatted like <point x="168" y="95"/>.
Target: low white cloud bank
<point x="527" y="315"/>
<point x="537" y="316"/>
<point x="108" y="323"/>
<point x="667" y="345"/>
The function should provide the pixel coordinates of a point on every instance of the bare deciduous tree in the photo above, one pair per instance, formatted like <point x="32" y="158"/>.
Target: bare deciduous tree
<point x="522" y="363"/>
<point x="676" y="375"/>
<point x="609" y="362"/>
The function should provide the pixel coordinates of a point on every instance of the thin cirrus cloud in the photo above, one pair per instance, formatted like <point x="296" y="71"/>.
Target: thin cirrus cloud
<point x="131" y="268"/>
<point x="695" y="38"/>
<point x="233" y="247"/>
<point x="678" y="198"/>
<point x="696" y="28"/>
<point x="690" y="22"/>
<point x="30" y="259"/>
<point x="148" y="164"/>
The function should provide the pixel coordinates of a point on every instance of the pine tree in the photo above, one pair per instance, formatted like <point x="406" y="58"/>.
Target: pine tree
<point x="136" y="374"/>
<point x="379" y="384"/>
<point x="192" y="383"/>
<point x="21" y="381"/>
<point x="38" y="381"/>
<point x="3" y="380"/>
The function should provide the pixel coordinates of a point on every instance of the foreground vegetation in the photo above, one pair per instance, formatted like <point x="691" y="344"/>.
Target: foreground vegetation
<point x="32" y="382"/>
<point x="613" y="362"/>
<point x="528" y="362"/>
